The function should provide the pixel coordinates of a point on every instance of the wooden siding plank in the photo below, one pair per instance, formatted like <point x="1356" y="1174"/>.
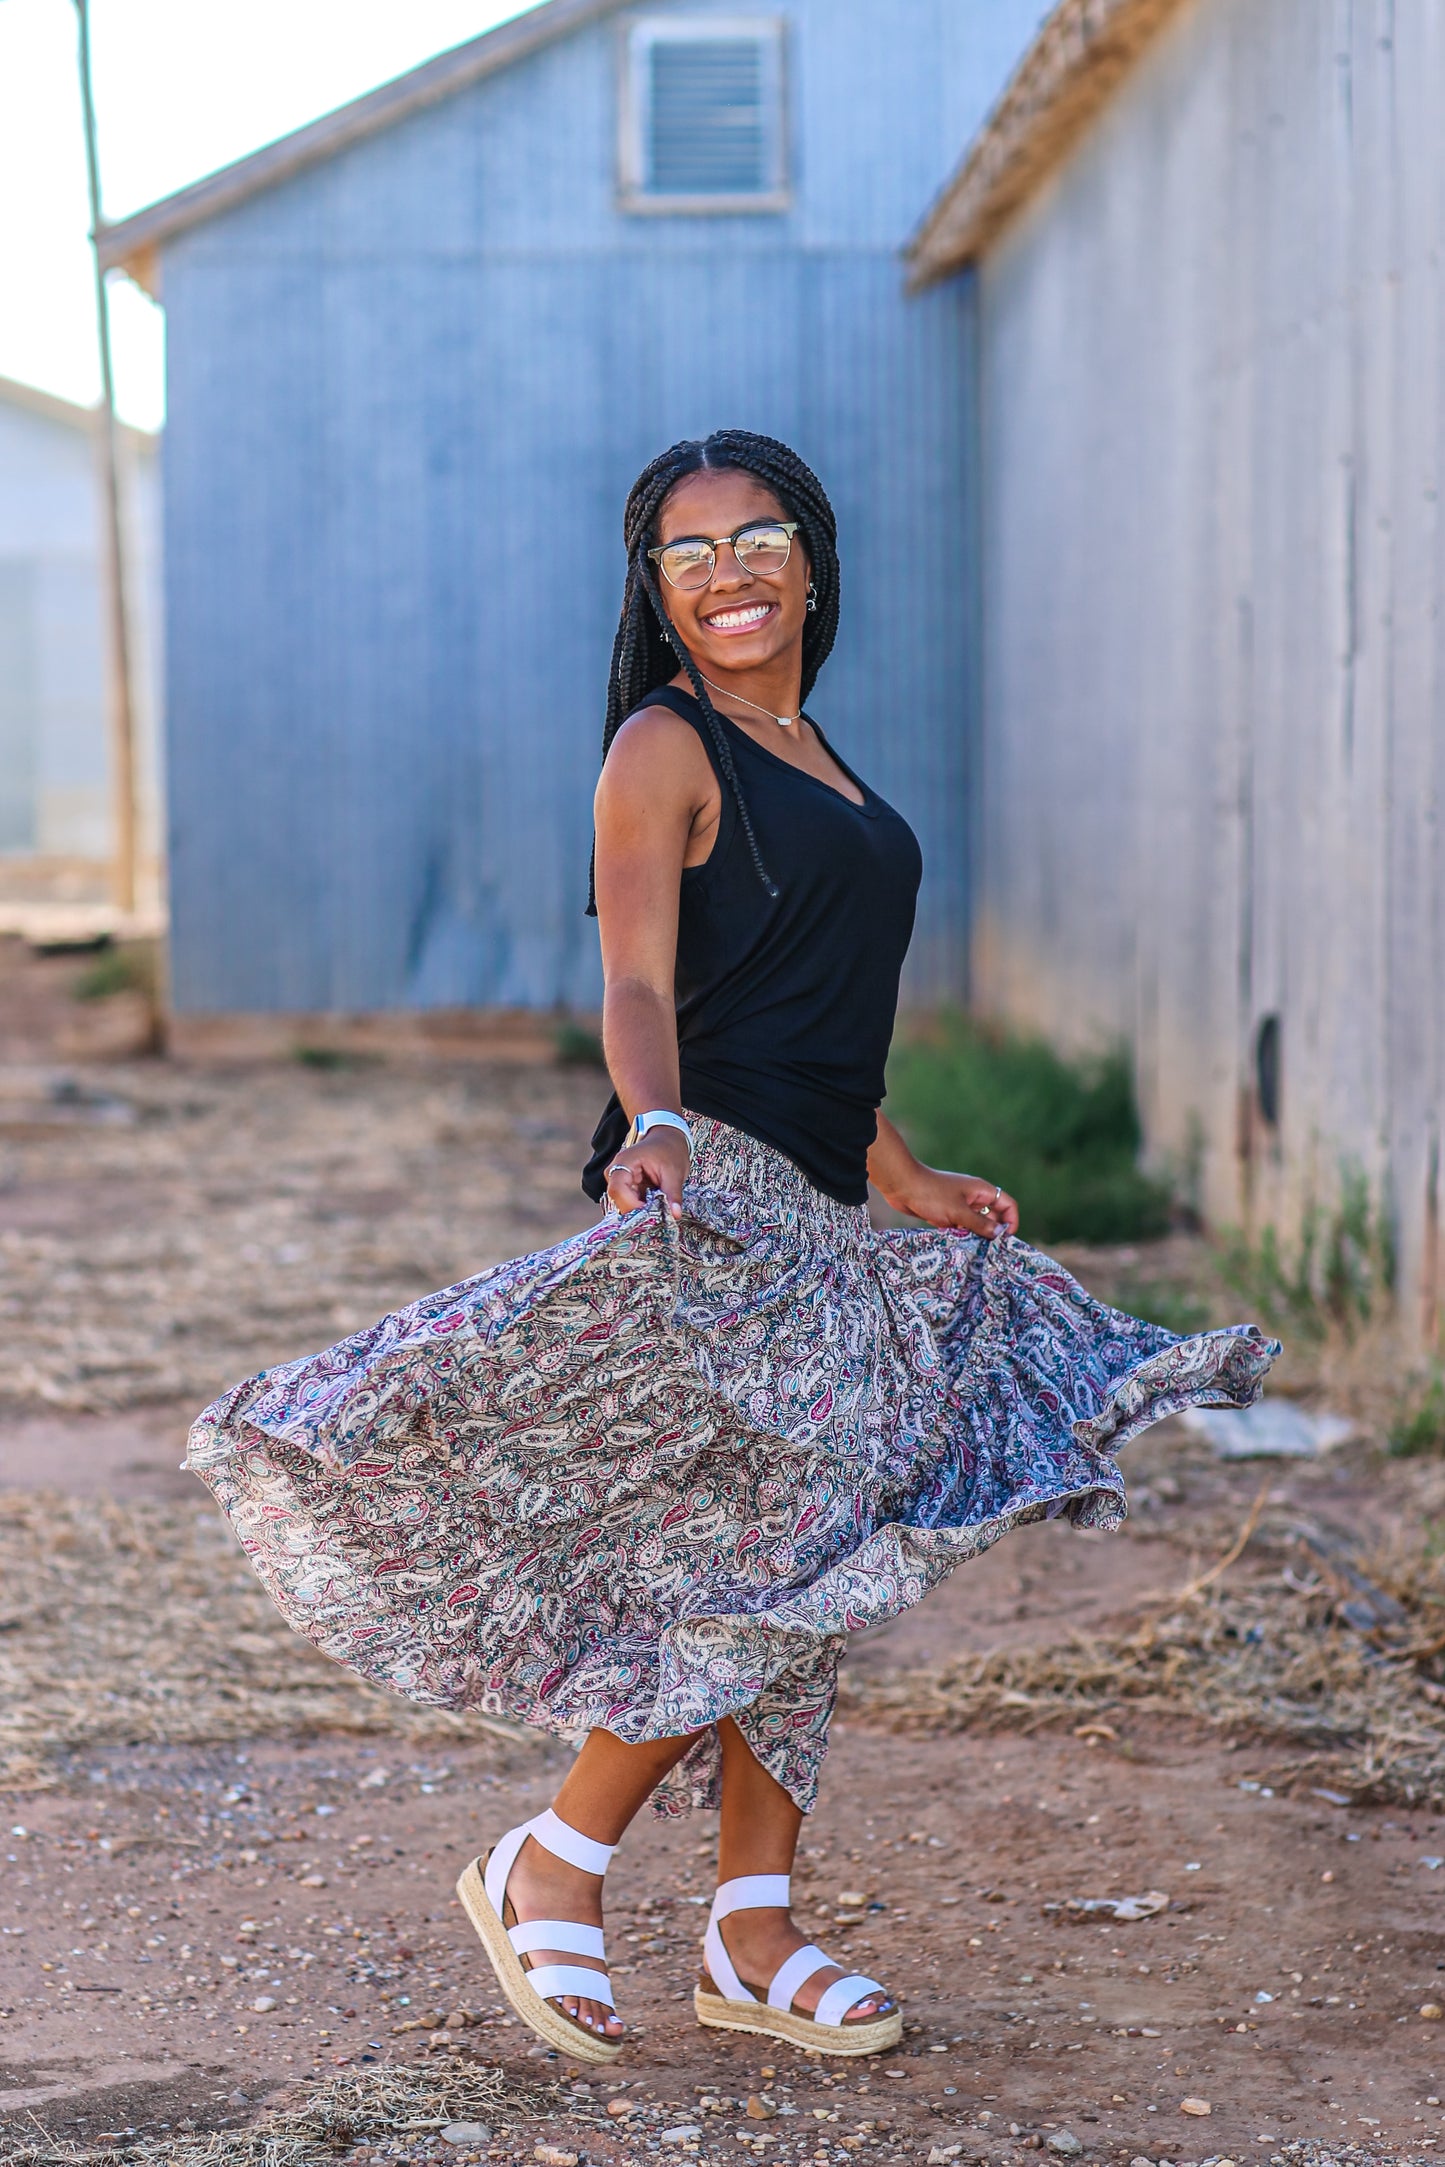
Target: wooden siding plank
<point x="1211" y="365"/>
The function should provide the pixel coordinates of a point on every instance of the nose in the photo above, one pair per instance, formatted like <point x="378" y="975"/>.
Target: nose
<point x="727" y="571"/>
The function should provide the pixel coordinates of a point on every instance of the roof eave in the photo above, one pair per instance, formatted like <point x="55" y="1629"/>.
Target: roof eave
<point x="135" y="245"/>
<point x="1070" y="71"/>
<point x="84" y="420"/>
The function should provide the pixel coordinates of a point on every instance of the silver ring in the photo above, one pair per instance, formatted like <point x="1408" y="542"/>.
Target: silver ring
<point x="615" y="1167"/>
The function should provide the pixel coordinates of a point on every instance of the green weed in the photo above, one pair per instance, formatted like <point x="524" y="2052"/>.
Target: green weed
<point x="1061" y="1136"/>
<point x="325" y="1058"/>
<point x="1162" y="1301"/>
<point x="1342" y="1272"/>
<point x="577" y="1047"/>
<point x="116" y="970"/>
<point x="1283" y="1294"/>
<point x="1359" y="1253"/>
<point x="1419" y="1428"/>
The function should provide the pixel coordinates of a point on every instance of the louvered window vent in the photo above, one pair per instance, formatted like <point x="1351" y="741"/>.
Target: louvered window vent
<point x="703" y="114"/>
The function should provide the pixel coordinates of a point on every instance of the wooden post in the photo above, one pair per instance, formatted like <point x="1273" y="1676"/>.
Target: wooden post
<point x="121" y="704"/>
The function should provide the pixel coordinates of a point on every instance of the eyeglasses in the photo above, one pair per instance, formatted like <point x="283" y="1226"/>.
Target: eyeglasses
<point x="690" y="562"/>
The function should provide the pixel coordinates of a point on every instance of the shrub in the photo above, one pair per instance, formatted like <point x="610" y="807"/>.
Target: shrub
<point x="1061" y="1136"/>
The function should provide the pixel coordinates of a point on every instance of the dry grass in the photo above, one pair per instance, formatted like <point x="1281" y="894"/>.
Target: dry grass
<point x="145" y="1622"/>
<point x="1274" y="1660"/>
<point x="327" y="2121"/>
<point x="200" y="1228"/>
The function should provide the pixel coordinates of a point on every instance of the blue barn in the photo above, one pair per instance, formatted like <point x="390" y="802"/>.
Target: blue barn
<point x="417" y="352"/>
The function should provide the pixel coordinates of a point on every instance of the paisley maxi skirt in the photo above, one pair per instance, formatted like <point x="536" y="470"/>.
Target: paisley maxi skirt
<point x="657" y="1475"/>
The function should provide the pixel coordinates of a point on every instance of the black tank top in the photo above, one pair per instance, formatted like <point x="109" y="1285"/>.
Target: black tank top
<point x="786" y="1003"/>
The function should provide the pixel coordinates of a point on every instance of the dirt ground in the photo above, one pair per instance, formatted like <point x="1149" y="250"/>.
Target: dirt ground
<point x="228" y="1870"/>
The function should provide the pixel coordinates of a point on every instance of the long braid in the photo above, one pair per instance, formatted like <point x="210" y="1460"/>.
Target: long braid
<point x="648" y="649"/>
<point x="715" y="730"/>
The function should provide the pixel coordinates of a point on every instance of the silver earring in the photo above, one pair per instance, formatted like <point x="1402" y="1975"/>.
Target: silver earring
<point x="812" y="598"/>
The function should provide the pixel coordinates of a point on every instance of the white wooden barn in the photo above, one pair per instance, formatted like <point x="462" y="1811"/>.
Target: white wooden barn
<point x="55" y="788"/>
<point x="1208" y="238"/>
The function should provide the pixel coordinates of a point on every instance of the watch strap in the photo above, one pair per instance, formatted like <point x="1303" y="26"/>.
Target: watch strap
<point x="660" y="1119"/>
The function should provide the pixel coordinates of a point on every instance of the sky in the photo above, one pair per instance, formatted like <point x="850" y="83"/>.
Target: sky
<point x="181" y="87"/>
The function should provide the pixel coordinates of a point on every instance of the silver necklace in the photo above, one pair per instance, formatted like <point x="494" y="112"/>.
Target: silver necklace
<point x="785" y="721"/>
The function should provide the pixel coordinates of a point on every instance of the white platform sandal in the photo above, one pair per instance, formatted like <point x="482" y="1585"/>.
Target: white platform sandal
<point x="735" y="2009"/>
<point x="483" y="1892"/>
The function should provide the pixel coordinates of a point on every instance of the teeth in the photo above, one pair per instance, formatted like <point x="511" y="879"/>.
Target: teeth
<point x="751" y="616"/>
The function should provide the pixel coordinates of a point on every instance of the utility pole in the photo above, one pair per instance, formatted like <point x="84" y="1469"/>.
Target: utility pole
<point x="121" y="704"/>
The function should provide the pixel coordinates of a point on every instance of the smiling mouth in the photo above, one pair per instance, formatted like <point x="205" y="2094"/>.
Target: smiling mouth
<point x="744" y="617"/>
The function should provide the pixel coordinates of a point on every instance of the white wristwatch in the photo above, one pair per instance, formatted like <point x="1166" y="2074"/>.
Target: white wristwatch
<point x="661" y="1120"/>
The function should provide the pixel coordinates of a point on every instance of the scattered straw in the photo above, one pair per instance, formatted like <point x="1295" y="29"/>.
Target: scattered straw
<point x="1231" y="1556"/>
<point x="1276" y="1660"/>
<point x="235" y="1221"/>
<point x="327" y="2120"/>
<point x="144" y="1622"/>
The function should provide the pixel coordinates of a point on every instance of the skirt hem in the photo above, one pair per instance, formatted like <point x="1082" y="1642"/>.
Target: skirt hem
<point x="660" y="1474"/>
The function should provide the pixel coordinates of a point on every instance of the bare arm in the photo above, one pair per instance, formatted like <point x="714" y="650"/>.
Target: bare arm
<point x="925" y="1192"/>
<point x="656" y="799"/>
<point x="655" y="791"/>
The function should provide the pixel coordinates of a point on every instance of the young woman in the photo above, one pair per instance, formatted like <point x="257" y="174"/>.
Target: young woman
<point x="638" y="1489"/>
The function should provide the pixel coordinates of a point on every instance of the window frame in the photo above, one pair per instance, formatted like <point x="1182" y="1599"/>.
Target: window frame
<point x="639" y="34"/>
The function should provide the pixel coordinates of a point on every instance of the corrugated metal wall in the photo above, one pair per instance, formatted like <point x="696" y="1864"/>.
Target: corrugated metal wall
<point x="1212" y="362"/>
<point x="408" y="393"/>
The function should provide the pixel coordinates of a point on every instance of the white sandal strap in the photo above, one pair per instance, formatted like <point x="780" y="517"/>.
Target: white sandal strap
<point x="720" y="1966"/>
<point x="551" y="1981"/>
<point x="563" y="1934"/>
<point x="553" y="1835"/>
<point x="791" y="1973"/>
<point x="749" y="1892"/>
<point x="836" y="2000"/>
<point x="752" y="1892"/>
<point x="567" y="1843"/>
<point x="501" y="1862"/>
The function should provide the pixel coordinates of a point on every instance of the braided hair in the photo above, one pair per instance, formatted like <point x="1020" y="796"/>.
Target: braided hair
<point x="648" y="648"/>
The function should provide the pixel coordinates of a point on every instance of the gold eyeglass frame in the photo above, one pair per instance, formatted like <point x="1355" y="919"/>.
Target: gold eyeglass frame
<point x="715" y="543"/>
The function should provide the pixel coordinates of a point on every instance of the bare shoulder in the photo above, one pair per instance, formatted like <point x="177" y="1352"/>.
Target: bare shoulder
<point x="657" y="751"/>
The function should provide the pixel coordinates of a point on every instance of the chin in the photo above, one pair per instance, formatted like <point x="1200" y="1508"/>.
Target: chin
<point x="743" y="650"/>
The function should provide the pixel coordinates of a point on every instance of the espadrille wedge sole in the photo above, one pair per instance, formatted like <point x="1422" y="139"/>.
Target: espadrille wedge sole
<point x="800" y="2031"/>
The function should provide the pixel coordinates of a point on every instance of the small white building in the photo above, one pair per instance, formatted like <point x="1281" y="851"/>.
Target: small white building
<point x="1207" y="239"/>
<point x="55" y="753"/>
